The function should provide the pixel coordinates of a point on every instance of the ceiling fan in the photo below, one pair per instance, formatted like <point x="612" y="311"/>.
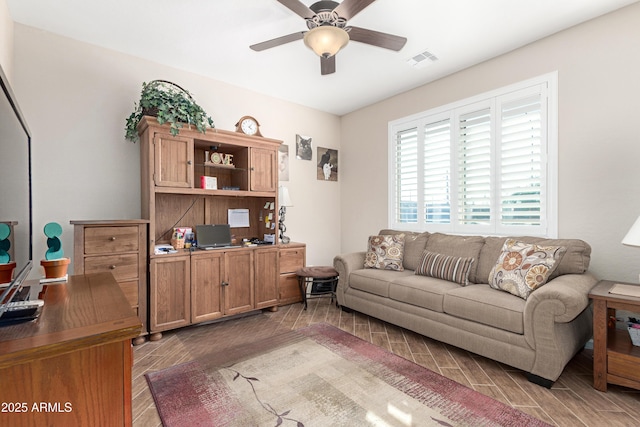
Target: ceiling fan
<point x="328" y="30"/>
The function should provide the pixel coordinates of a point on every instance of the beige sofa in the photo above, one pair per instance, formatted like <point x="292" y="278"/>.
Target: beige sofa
<point x="539" y="334"/>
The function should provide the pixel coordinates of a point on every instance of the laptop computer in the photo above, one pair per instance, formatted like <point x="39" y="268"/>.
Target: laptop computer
<point x="212" y="236"/>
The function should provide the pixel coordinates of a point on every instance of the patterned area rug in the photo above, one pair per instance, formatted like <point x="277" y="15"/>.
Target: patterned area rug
<point x="318" y="376"/>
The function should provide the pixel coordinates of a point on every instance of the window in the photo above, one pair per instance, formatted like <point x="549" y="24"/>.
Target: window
<point x="485" y="165"/>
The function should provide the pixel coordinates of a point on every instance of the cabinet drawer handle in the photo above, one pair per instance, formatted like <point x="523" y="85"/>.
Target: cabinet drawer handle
<point x="225" y="283"/>
<point x="112" y="238"/>
<point x="112" y="267"/>
<point x="188" y="162"/>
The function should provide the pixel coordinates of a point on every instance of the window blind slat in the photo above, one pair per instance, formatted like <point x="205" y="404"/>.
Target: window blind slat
<point x="437" y="169"/>
<point x="521" y="162"/>
<point x="407" y="176"/>
<point x="474" y="167"/>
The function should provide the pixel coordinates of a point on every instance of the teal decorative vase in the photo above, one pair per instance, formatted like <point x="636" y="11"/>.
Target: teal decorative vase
<point x="55" y="265"/>
<point x="5" y="243"/>
<point x="53" y="231"/>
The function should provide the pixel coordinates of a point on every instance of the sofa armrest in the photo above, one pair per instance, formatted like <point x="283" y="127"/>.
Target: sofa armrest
<point x="345" y="264"/>
<point x="569" y="294"/>
<point x="551" y="310"/>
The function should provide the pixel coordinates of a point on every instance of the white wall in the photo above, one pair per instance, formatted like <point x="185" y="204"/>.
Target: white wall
<point x="599" y="143"/>
<point x="6" y="40"/>
<point x="76" y="97"/>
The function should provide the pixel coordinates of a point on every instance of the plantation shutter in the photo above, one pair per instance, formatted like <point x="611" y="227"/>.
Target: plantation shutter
<point x="437" y="172"/>
<point x="474" y="168"/>
<point x="521" y="162"/>
<point x="484" y="165"/>
<point x="406" y="167"/>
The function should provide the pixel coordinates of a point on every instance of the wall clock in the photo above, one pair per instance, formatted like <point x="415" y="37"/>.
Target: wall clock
<point x="249" y="126"/>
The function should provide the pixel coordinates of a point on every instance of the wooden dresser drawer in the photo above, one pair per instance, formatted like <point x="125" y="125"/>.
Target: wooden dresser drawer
<point x="108" y="240"/>
<point x="291" y="259"/>
<point x="123" y="266"/>
<point x="130" y="290"/>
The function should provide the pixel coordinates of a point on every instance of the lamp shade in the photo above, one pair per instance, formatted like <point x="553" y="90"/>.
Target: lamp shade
<point x="283" y="196"/>
<point x="633" y="235"/>
<point x="326" y="40"/>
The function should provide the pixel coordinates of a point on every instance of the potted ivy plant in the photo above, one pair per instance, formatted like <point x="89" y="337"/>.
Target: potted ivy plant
<point x="169" y="103"/>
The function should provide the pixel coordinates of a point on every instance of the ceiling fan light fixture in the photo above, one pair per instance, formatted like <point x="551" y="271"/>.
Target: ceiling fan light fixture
<point x="326" y="40"/>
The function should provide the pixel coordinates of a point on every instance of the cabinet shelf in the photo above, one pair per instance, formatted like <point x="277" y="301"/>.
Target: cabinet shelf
<point x="619" y="341"/>
<point x="205" y="192"/>
<point x="225" y="167"/>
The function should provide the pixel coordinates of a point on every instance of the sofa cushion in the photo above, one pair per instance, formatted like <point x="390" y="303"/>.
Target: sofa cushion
<point x="459" y="246"/>
<point x="575" y="260"/>
<point x="414" y="244"/>
<point x="385" y="252"/>
<point x="489" y="256"/>
<point x="482" y="304"/>
<point x="421" y="291"/>
<point x="524" y="267"/>
<point x="446" y="267"/>
<point x="375" y="281"/>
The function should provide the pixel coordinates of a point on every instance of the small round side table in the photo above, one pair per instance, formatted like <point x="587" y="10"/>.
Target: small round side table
<point x="323" y="281"/>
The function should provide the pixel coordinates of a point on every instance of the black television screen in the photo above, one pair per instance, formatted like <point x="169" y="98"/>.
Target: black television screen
<point x="15" y="181"/>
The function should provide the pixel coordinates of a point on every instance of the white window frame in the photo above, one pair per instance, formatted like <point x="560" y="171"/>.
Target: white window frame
<point x="549" y="221"/>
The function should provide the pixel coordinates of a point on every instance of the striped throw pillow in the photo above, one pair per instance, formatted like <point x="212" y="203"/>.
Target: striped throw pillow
<point x="451" y="268"/>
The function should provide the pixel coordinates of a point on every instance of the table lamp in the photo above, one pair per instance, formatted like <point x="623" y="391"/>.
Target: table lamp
<point x="284" y="201"/>
<point x="633" y="235"/>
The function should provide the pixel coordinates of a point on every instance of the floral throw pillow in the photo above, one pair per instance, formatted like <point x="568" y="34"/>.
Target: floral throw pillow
<point x="522" y="267"/>
<point x="385" y="252"/>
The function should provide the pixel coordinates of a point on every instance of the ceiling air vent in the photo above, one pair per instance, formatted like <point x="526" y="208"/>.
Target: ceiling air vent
<point x="422" y="59"/>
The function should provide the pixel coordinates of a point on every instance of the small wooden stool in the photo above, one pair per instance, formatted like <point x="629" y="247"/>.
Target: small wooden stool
<point x="323" y="282"/>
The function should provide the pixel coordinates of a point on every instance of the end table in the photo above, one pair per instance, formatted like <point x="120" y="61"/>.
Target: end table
<point x="615" y="359"/>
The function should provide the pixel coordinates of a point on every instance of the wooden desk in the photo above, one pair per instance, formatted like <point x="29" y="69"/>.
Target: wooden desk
<point x="72" y="366"/>
<point x="615" y="359"/>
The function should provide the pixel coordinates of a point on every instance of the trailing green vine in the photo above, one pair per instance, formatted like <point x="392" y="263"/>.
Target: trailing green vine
<point x="169" y="103"/>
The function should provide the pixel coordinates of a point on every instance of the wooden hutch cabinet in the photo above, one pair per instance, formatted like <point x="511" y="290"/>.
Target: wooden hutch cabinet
<point x="194" y="286"/>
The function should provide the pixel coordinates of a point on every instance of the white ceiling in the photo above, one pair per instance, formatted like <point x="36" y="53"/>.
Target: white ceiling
<point x="212" y="38"/>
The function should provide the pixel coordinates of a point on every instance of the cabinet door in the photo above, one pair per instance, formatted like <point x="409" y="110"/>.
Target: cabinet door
<point x="169" y="296"/>
<point x="289" y="289"/>
<point x="238" y="288"/>
<point x="267" y="277"/>
<point x="173" y="161"/>
<point x="207" y="273"/>
<point x="264" y="169"/>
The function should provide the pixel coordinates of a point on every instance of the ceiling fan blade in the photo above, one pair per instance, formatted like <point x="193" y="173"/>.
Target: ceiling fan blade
<point x="376" y="38"/>
<point x="327" y="65"/>
<point x="298" y="7"/>
<point x="350" y="8"/>
<point x="277" y="41"/>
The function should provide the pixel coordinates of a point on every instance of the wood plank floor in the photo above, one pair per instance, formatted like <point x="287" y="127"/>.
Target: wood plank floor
<point x="572" y="401"/>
